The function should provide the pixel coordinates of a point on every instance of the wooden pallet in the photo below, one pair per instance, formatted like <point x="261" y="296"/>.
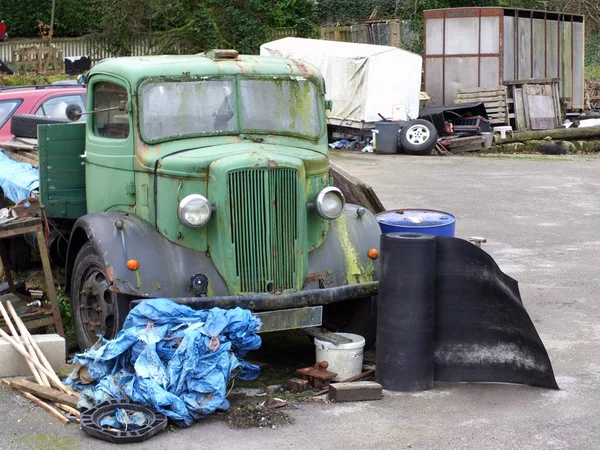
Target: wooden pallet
<point x="494" y="99"/>
<point x="22" y="150"/>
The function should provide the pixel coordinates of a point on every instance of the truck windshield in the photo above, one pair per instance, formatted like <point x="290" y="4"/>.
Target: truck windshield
<point x="179" y="109"/>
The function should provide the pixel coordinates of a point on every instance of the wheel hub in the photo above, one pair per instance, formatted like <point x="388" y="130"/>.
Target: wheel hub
<point x="97" y="305"/>
<point x="417" y="134"/>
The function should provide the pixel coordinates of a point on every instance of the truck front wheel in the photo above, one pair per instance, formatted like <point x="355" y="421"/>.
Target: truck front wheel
<point x="96" y="310"/>
<point x="353" y="316"/>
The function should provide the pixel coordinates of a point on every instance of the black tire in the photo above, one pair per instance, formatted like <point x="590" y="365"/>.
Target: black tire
<point x="25" y="125"/>
<point x="353" y="316"/>
<point x="418" y="137"/>
<point x="95" y="309"/>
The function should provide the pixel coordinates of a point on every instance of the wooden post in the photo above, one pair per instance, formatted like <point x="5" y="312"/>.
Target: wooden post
<point x="52" y="21"/>
<point x="41" y="240"/>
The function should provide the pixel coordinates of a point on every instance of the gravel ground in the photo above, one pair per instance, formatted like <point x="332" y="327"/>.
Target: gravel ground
<point x="540" y="216"/>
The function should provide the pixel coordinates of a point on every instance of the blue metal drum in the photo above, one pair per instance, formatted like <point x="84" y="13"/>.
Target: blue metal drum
<point x="437" y="223"/>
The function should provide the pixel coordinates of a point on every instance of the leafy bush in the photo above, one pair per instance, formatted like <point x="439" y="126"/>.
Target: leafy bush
<point x="592" y="56"/>
<point x="30" y="79"/>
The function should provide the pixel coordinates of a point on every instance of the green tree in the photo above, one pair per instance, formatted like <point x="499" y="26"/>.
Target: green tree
<point x="72" y="17"/>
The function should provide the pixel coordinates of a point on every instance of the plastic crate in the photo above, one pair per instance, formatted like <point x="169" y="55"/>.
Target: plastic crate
<point x="474" y="121"/>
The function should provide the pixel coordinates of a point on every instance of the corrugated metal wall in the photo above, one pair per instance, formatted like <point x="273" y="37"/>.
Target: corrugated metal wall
<point x="483" y="47"/>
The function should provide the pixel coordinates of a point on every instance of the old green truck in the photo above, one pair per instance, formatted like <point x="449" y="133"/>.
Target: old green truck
<point x="205" y="179"/>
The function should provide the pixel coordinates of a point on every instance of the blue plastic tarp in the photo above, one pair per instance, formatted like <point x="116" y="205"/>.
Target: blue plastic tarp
<point x="172" y="358"/>
<point x="17" y="179"/>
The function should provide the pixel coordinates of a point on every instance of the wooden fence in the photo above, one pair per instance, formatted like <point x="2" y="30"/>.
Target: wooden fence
<point x="392" y="32"/>
<point x="96" y="48"/>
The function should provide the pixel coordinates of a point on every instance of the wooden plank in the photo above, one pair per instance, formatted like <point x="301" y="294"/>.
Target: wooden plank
<point x="31" y="141"/>
<point x="46" y="406"/>
<point x="13" y="145"/>
<point x="488" y="89"/>
<point x="473" y="147"/>
<point x="481" y="94"/>
<point x="355" y="190"/>
<point x="531" y="81"/>
<point x="46" y="392"/>
<point x="492" y="105"/>
<point x="26" y="157"/>
<point x="482" y="98"/>
<point x="454" y="143"/>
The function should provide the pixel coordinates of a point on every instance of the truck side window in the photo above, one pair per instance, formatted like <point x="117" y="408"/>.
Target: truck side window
<point x="112" y="124"/>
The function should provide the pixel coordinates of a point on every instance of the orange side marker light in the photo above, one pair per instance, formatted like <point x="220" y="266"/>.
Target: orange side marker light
<point x="373" y="253"/>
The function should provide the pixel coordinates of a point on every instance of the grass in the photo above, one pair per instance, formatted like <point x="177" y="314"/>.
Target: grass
<point x="64" y="304"/>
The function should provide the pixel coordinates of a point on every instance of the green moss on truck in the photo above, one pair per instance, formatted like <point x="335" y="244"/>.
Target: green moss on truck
<point x="205" y="179"/>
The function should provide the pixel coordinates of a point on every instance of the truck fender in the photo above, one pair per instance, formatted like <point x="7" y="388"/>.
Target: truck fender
<point x="344" y="256"/>
<point x="165" y="269"/>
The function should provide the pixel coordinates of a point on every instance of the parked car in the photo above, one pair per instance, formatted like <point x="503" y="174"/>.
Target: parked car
<point x="46" y="101"/>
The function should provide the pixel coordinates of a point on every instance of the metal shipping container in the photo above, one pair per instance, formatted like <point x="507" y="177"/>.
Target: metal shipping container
<point x="484" y="47"/>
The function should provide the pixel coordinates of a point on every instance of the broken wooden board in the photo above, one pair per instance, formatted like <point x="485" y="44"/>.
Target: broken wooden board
<point x="29" y="157"/>
<point x="20" y="145"/>
<point x="463" y="144"/>
<point x="45" y="392"/>
<point x="355" y="190"/>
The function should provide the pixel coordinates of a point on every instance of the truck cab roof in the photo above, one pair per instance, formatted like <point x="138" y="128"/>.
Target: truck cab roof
<point x="137" y="68"/>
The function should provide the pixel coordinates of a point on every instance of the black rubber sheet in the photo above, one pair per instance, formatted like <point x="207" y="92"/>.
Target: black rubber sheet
<point x="481" y="330"/>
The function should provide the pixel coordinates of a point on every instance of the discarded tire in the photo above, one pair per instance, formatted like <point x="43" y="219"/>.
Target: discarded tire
<point x="405" y="312"/>
<point x="418" y="137"/>
<point x="90" y="422"/>
<point x="25" y="125"/>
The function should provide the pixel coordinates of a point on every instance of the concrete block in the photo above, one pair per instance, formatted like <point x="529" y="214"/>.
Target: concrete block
<point x="13" y="364"/>
<point x="355" y="391"/>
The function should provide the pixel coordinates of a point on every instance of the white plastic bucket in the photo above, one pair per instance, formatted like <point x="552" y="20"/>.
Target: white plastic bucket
<point x="345" y="359"/>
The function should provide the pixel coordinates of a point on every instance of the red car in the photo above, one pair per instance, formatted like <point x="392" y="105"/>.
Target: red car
<point x="48" y="101"/>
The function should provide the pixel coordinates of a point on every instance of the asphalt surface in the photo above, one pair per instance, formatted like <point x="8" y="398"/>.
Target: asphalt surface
<point x="541" y="219"/>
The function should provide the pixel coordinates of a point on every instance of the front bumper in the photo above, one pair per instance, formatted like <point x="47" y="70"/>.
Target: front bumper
<point x="286" y="311"/>
<point x="268" y="302"/>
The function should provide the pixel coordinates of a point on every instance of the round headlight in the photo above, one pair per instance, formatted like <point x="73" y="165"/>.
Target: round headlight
<point x="330" y="203"/>
<point x="194" y="210"/>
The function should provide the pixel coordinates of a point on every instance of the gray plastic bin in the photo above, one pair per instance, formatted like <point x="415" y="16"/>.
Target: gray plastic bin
<point x="387" y="137"/>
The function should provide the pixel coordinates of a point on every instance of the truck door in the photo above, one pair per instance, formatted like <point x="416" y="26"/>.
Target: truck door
<point x="109" y="175"/>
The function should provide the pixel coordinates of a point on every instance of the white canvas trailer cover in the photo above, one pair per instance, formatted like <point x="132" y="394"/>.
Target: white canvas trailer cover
<point x="362" y="80"/>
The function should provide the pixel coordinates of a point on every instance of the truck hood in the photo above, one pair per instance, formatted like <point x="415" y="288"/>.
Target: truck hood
<point x="195" y="163"/>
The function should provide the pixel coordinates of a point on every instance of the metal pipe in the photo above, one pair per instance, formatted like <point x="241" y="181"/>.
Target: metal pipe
<point x="267" y="302"/>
